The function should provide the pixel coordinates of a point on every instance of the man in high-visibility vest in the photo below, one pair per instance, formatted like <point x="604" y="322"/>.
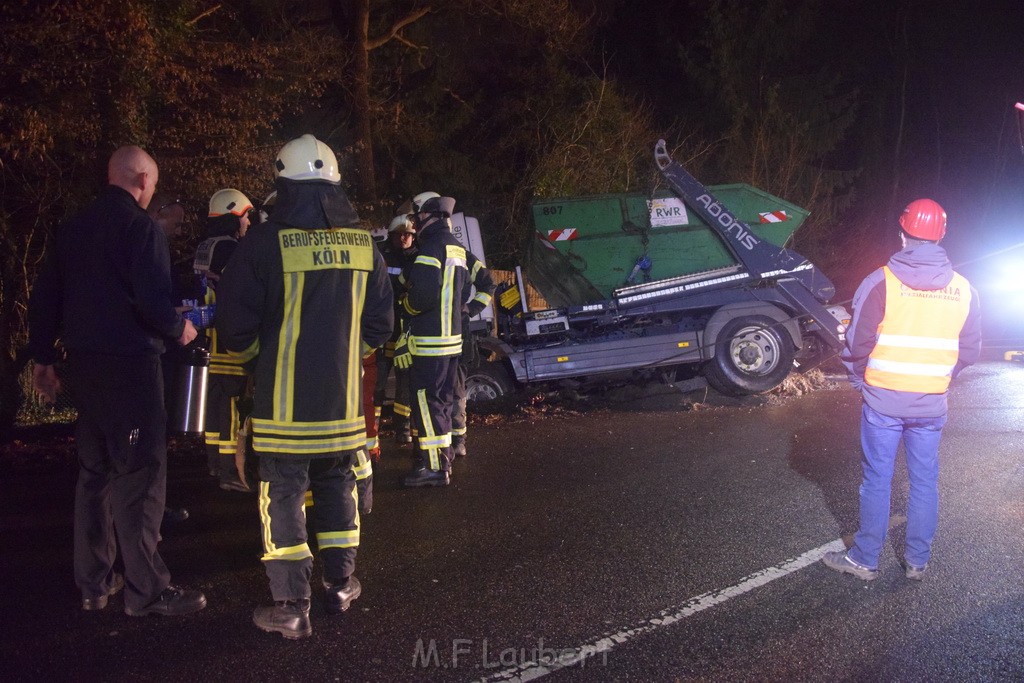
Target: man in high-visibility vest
<point x="915" y="327"/>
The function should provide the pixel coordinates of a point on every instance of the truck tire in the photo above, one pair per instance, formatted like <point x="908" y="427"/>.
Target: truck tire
<point x="751" y="357"/>
<point x="488" y="381"/>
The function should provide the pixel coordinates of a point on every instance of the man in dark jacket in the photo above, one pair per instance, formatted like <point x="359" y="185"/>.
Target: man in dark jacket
<point x="915" y="327"/>
<point x="309" y="296"/>
<point x="105" y="291"/>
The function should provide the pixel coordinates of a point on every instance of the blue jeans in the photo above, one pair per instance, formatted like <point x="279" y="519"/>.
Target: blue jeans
<point x="880" y="437"/>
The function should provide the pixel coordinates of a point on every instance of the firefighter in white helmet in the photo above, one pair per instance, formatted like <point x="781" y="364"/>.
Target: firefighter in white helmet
<point x="399" y="253"/>
<point x="227" y="222"/>
<point x="309" y="293"/>
<point x="438" y="284"/>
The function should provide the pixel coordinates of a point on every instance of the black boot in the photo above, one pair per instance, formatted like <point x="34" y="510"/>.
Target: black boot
<point x="424" y="476"/>
<point x="458" y="447"/>
<point x="229" y="480"/>
<point x="290" y="618"/>
<point x="341" y="594"/>
<point x="403" y="431"/>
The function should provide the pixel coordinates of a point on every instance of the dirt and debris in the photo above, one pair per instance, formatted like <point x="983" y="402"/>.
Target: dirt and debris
<point x="52" y="446"/>
<point x="683" y="396"/>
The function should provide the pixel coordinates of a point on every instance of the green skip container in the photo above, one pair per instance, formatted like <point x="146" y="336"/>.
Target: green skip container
<point x="616" y="240"/>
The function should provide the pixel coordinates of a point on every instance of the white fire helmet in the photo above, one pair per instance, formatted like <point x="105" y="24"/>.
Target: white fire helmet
<point x="306" y="158"/>
<point x="228" y="201"/>
<point x="402" y="223"/>
<point x="417" y="201"/>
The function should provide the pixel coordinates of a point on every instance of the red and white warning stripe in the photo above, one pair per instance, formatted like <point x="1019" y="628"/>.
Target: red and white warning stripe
<point x="773" y="216"/>
<point x="562" y="235"/>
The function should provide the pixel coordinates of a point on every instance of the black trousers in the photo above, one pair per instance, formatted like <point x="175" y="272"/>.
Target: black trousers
<point x="121" y="437"/>
<point x="401" y="406"/>
<point x="222" y="423"/>
<point x="433" y="390"/>
<point x="287" y="557"/>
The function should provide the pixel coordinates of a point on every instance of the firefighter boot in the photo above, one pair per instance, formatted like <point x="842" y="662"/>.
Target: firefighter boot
<point x="458" y="446"/>
<point x="403" y="431"/>
<point x="229" y="480"/>
<point x="424" y="476"/>
<point x="290" y="618"/>
<point x="340" y="594"/>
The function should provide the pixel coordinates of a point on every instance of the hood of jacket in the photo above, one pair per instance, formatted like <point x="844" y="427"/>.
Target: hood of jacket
<point x="435" y="225"/>
<point x="313" y="205"/>
<point x="222" y="226"/>
<point x="922" y="266"/>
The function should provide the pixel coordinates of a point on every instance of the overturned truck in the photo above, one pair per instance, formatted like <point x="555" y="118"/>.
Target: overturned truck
<point x="690" y="282"/>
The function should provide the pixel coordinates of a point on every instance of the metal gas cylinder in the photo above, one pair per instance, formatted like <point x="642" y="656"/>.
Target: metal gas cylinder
<point x="187" y="405"/>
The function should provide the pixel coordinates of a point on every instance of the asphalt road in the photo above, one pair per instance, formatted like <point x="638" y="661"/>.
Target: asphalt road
<point x="633" y="541"/>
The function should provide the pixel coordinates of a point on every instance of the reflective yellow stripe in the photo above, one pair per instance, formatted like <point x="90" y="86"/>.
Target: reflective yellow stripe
<point x="231" y="370"/>
<point x="438" y="341"/>
<point x="483" y="297"/>
<point x="338" y="539"/>
<point x="428" y="426"/>
<point x="308" y="500"/>
<point x="428" y="261"/>
<point x="307" y="446"/>
<point x="263" y="504"/>
<point x="916" y="342"/>
<point x="409" y="309"/>
<point x="403" y="410"/>
<point x="307" y="428"/>
<point x="362" y="467"/>
<point x="292" y="553"/>
<point x="284" y="389"/>
<point x="459" y="432"/>
<point x="249" y="353"/>
<point x="437" y="346"/>
<point x="354" y="381"/>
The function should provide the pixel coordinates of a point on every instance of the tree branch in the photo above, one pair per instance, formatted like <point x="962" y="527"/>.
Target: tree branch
<point x="195" y="20"/>
<point x="396" y="27"/>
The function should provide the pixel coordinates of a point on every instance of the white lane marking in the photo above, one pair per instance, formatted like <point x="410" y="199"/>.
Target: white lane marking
<point x="532" y="670"/>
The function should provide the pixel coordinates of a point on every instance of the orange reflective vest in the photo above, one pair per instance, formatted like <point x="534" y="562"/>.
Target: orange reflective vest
<point x="919" y="336"/>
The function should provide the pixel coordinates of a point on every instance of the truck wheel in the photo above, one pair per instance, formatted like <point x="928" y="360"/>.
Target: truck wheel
<point x="488" y="381"/>
<point x="750" y="357"/>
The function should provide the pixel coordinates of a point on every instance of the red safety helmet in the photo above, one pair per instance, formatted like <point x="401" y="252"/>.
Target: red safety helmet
<point x="924" y="219"/>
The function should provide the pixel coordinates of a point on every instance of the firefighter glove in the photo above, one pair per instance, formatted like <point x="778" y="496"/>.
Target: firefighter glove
<point x="403" y="351"/>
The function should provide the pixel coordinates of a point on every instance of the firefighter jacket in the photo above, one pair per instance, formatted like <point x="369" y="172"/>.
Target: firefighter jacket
<point x="438" y="284"/>
<point x="482" y="289"/>
<point x="211" y="257"/>
<point x="398" y="261"/>
<point x="309" y="298"/>
<point x="915" y="326"/>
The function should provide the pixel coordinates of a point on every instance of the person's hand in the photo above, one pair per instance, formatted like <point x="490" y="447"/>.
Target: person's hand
<point x="45" y="382"/>
<point x="404" y="347"/>
<point x="187" y="334"/>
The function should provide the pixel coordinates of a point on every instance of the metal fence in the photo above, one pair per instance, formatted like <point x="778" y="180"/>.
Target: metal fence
<point x="33" y="411"/>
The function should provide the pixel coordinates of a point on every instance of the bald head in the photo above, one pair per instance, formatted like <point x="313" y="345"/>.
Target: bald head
<point x="134" y="171"/>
